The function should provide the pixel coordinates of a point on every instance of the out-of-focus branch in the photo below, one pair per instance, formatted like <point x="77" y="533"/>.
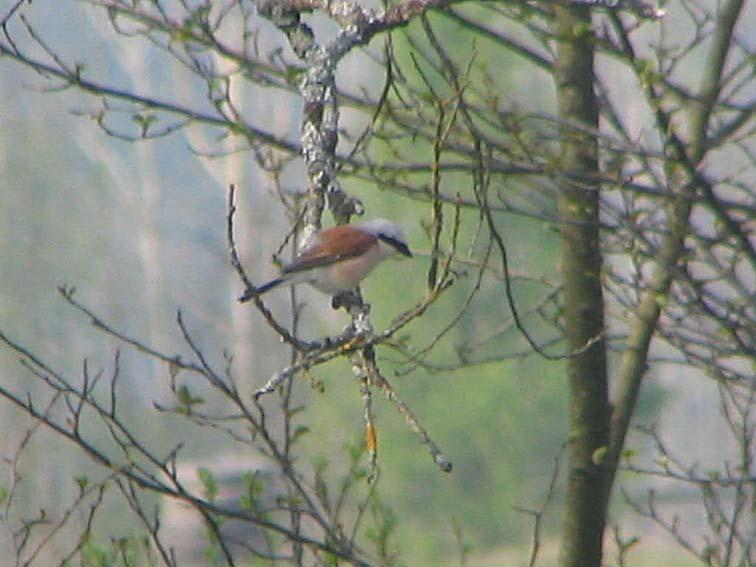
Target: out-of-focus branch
<point x="539" y="513"/>
<point x="73" y="77"/>
<point x="158" y="474"/>
<point x="376" y="379"/>
<point x="633" y="362"/>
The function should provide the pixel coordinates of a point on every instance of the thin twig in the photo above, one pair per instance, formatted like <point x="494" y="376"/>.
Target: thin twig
<point x="250" y="287"/>
<point x="377" y="380"/>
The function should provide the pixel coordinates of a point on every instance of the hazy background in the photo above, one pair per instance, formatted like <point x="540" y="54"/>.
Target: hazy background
<point x="139" y="230"/>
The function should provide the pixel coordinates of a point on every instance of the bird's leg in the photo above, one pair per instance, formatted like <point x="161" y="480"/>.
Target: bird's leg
<point x="360" y="328"/>
<point x="347" y="300"/>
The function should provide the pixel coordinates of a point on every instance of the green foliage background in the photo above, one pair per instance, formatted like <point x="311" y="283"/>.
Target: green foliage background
<point x="502" y="423"/>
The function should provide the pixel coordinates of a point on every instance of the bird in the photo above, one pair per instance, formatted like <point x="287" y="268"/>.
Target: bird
<point x="337" y="259"/>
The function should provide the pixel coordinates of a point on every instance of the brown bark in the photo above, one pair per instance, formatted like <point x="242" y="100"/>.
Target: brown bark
<point x="589" y="414"/>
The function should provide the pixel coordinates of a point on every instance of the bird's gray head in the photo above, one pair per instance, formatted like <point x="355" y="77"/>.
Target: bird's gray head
<point x="389" y="232"/>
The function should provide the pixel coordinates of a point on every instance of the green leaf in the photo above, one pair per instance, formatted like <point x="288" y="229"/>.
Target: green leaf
<point x="660" y="299"/>
<point x="82" y="482"/>
<point x="209" y="484"/>
<point x="646" y="71"/>
<point x="599" y="455"/>
<point x="245" y="502"/>
<point x="184" y="395"/>
<point x="319" y="463"/>
<point x="173" y="368"/>
<point x="298" y="432"/>
<point x="254" y="485"/>
<point x="292" y="75"/>
<point x="186" y="398"/>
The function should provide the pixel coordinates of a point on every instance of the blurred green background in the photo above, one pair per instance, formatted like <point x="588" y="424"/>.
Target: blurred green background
<point x="138" y="229"/>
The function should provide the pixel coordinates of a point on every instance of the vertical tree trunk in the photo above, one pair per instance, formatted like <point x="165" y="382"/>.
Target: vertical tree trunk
<point x="584" y="305"/>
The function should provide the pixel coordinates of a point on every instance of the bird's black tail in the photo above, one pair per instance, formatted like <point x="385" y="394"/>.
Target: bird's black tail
<point x="252" y="292"/>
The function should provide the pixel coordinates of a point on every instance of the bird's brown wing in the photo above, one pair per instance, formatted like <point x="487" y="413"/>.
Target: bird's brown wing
<point x="330" y="246"/>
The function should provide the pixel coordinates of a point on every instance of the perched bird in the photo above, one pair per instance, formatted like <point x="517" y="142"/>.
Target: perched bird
<point x="337" y="259"/>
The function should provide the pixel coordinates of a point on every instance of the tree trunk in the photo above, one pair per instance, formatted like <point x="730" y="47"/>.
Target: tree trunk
<point x="585" y="518"/>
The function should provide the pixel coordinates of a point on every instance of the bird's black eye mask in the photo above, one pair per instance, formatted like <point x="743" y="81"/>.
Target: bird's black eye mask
<point x="399" y="245"/>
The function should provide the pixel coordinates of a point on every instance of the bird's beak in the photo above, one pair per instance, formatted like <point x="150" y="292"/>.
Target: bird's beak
<point x="397" y="245"/>
<point x="404" y="249"/>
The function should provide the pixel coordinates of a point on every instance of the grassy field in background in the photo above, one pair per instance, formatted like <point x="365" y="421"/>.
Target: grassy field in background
<point x="650" y="552"/>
